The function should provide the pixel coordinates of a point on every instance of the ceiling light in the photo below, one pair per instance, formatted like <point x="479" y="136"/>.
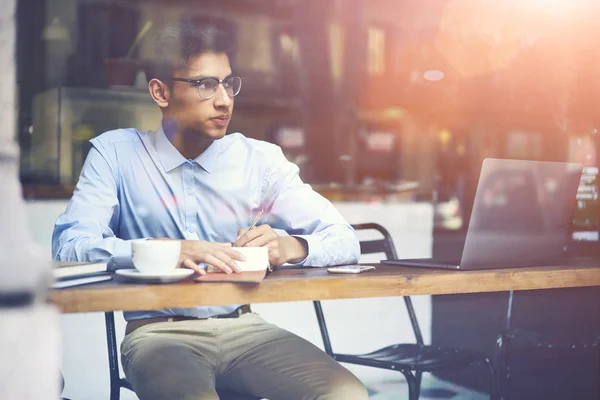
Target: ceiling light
<point x="433" y="75"/>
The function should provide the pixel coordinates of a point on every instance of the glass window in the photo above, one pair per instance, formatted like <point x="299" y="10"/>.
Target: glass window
<point x="336" y="50"/>
<point x="377" y="50"/>
<point x="254" y="43"/>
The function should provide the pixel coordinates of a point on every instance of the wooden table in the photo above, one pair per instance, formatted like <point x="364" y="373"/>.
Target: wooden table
<point x="318" y="284"/>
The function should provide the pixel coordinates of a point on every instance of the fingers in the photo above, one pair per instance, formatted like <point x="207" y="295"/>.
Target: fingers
<point x="221" y="261"/>
<point x="236" y="255"/>
<point x="241" y="238"/>
<point x="241" y="232"/>
<point x="261" y="241"/>
<point x="217" y="255"/>
<point x="268" y="238"/>
<point x="187" y="263"/>
<point x="247" y="236"/>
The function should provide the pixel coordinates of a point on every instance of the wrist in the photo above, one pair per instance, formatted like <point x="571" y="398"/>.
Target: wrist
<point x="297" y="250"/>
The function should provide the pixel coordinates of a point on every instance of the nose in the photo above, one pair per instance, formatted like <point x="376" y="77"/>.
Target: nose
<point x="221" y="98"/>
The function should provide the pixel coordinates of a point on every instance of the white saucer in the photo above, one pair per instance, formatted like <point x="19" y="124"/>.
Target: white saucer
<point x="171" y="276"/>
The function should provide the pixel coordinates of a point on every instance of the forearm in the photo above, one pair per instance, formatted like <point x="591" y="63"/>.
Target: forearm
<point x="307" y="215"/>
<point x="112" y="250"/>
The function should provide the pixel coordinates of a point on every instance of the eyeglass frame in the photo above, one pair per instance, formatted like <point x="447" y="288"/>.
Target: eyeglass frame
<point x="198" y="82"/>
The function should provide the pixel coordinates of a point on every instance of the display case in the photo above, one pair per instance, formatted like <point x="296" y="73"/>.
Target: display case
<point x="64" y="119"/>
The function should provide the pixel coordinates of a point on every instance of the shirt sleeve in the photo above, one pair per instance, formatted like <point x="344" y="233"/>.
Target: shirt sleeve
<point x="86" y="230"/>
<point x="295" y="207"/>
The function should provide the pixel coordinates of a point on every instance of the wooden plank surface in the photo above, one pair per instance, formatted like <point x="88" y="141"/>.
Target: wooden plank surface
<point x="318" y="284"/>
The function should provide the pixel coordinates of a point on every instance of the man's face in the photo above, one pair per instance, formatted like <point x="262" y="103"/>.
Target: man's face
<point x="192" y="114"/>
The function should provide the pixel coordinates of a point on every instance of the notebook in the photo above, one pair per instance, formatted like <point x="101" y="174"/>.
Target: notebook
<point x="80" y="281"/>
<point x="520" y="217"/>
<point x="64" y="270"/>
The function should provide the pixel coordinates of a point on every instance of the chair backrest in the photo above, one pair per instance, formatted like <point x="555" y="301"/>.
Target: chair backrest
<point x="384" y="245"/>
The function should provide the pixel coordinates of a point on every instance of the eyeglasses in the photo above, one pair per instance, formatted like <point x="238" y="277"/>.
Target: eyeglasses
<point x="207" y="87"/>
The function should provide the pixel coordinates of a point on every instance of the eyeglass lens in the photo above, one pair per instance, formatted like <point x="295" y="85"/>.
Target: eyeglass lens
<point x="208" y="87"/>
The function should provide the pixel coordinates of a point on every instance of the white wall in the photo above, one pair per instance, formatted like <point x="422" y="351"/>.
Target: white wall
<point x="356" y="326"/>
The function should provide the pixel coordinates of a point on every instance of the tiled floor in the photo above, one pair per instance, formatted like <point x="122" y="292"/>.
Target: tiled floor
<point x="431" y="389"/>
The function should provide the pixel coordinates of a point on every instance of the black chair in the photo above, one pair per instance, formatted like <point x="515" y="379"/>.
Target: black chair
<point x="532" y="339"/>
<point x="116" y="382"/>
<point x="410" y="359"/>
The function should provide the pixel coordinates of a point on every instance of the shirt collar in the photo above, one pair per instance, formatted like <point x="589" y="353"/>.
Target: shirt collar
<point x="171" y="158"/>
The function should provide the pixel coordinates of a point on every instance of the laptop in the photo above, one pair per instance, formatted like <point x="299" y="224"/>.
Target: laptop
<point x="521" y="216"/>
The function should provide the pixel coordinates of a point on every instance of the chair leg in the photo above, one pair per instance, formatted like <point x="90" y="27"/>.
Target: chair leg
<point x="113" y="356"/>
<point x="418" y="382"/>
<point x="492" y="376"/>
<point x="507" y="371"/>
<point x="115" y="391"/>
<point x="502" y="368"/>
<point x="413" y="385"/>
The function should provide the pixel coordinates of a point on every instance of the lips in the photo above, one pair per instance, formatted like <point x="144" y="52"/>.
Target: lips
<point x="221" y="121"/>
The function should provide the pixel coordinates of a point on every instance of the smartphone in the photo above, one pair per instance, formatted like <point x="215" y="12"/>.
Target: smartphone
<point x="350" y="269"/>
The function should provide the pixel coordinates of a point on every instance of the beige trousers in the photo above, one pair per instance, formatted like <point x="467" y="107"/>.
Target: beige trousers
<point x="187" y="360"/>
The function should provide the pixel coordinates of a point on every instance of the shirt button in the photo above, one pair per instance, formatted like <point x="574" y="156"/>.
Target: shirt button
<point x="189" y="191"/>
<point x="191" y="230"/>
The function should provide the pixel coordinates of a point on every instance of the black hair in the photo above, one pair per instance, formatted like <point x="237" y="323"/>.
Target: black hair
<point x="175" y="44"/>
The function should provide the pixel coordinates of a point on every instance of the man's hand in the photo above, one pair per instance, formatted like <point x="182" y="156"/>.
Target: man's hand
<point x="282" y="249"/>
<point x="219" y="255"/>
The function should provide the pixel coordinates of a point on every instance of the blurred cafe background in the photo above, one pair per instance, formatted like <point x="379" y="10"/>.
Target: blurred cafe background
<point x="387" y="106"/>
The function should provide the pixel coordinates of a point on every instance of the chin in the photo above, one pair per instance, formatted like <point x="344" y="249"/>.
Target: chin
<point x="215" y="134"/>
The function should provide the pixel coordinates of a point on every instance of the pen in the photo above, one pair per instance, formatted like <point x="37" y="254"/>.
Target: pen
<point x="256" y="219"/>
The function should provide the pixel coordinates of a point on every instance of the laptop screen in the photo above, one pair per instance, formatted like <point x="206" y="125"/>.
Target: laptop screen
<point x="522" y="213"/>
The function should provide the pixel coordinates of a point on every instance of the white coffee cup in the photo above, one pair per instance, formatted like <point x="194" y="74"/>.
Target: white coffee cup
<point x="257" y="258"/>
<point x="155" y="256"/>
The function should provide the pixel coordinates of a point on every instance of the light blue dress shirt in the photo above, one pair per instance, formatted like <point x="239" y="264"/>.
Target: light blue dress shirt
<point x="137" y="185"/>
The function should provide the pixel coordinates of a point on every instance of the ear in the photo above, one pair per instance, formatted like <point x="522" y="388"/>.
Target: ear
<point x="159" y="92"/>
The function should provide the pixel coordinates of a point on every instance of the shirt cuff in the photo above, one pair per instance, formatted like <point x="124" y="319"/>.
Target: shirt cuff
<point x="314" y="248"/>
<point x="121" y="257"/>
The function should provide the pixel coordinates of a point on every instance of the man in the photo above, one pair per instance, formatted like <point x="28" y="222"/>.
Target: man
<point x="189" y="181"/>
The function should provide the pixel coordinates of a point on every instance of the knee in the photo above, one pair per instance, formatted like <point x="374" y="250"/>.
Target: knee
<point x="167" y="394"/>
<point x="210" y="395"/>
<point x="347" y="387"/>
